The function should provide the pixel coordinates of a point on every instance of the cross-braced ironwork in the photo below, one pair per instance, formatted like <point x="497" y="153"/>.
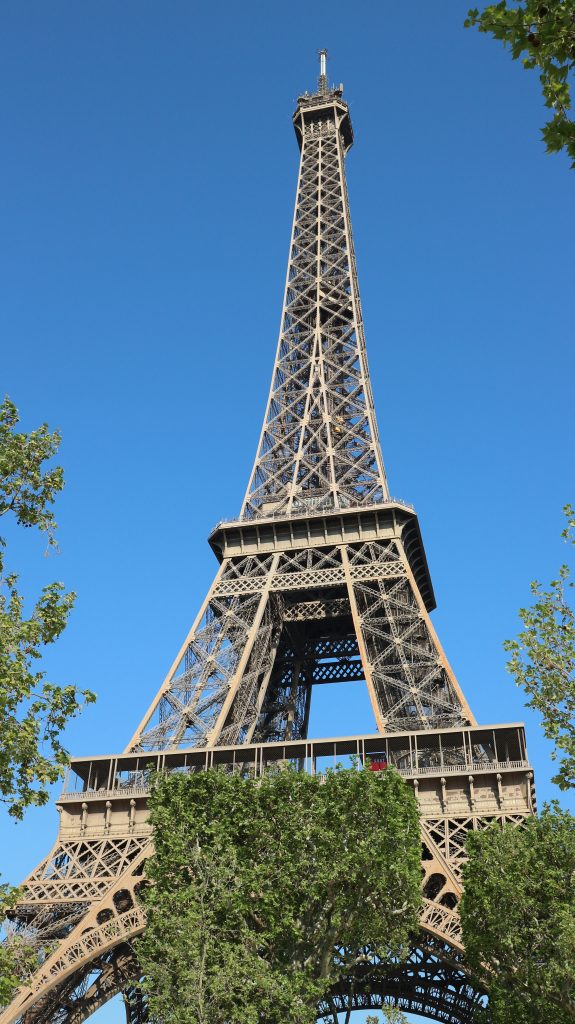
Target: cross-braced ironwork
<point x="227" y="686"/>
<point x="323" y="579"/>
<point x="319" y="447"/>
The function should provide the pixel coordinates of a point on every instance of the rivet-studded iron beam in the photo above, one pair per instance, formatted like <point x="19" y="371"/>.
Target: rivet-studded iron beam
<point x="274" y="625"/>
<point x="319" y="446"/>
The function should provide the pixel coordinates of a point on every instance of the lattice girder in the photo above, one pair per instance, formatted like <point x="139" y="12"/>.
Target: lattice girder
<point x="225" y="686"/>
<point x="319" y="445"/>
<point x="432" y="983"/>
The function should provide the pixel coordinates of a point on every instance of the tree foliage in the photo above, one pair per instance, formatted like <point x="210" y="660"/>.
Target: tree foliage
<point x="543" y="660"/>
<point x="33" y="711"/>
<point x="18" y="958"/>
<point x="542" y="34"/>
<point x="265" y="892"/>
<point x="518" y="917"/>
<point x="391" y="1015"/>
<point x="518" y="906"/>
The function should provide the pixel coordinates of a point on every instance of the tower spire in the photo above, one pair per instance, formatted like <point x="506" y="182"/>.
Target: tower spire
<point x="322" y="81"/>
<point x="319" y="447"/>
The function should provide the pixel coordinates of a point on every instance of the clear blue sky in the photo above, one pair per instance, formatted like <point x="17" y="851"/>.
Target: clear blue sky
<point x="146" y="191"/>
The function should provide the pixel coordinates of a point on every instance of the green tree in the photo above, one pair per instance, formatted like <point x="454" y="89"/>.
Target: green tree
<point x="17" y="957"/>
<point x="391" y="1015"/>
<point x="542" y="34"/>
<point x="518" y="917"/>
<point x="518" y="907"/>
<point x="265" y="892"/>
<point x="33" y="711"/>
<point x="543" y="660"/>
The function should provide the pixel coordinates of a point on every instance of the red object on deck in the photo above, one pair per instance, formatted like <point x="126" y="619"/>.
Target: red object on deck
<point x="378" y="766"/>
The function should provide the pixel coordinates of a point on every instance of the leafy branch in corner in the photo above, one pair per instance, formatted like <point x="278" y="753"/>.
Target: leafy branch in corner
<point x="542" y="34"/>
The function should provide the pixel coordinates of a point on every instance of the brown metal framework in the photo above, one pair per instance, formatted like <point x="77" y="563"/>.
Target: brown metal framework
<point x="322" y="579"/>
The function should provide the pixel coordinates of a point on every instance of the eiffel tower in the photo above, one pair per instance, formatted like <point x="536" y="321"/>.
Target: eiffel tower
<point x="322" y="579"/>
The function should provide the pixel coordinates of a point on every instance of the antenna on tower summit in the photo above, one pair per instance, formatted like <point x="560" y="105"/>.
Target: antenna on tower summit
<point x="322" y="83"/>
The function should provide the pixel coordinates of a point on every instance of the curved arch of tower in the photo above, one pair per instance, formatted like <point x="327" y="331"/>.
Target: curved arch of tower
<point x="323" y="578"/>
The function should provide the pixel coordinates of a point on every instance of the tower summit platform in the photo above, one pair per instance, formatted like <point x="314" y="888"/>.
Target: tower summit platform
<point x="324" y="104"/>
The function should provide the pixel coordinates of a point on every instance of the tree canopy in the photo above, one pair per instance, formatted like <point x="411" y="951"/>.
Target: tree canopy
<point x="33" y="711"/>
<point x="543" y="660"/>
<point x="518" y="917"/>
<point x="267" y="891"/>
<point x="18" y="957"/>
<point x="542" y="34"/>
<point x="391" y="1015"/>
<point x="518" y="906"/>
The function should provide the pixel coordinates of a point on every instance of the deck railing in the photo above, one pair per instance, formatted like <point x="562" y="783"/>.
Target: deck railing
<point x="466" y="768"/>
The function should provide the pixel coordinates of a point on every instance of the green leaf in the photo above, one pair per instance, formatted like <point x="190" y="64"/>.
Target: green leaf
<point x="518" y="917"/>
<point x="33" y="711"/>
<point x="545" y="34"/>
<point x="265" y="892"/>
<point x="542" y="658"/>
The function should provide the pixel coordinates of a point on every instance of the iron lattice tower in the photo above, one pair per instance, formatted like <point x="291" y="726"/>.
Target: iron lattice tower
<point x="322" y="579"/>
